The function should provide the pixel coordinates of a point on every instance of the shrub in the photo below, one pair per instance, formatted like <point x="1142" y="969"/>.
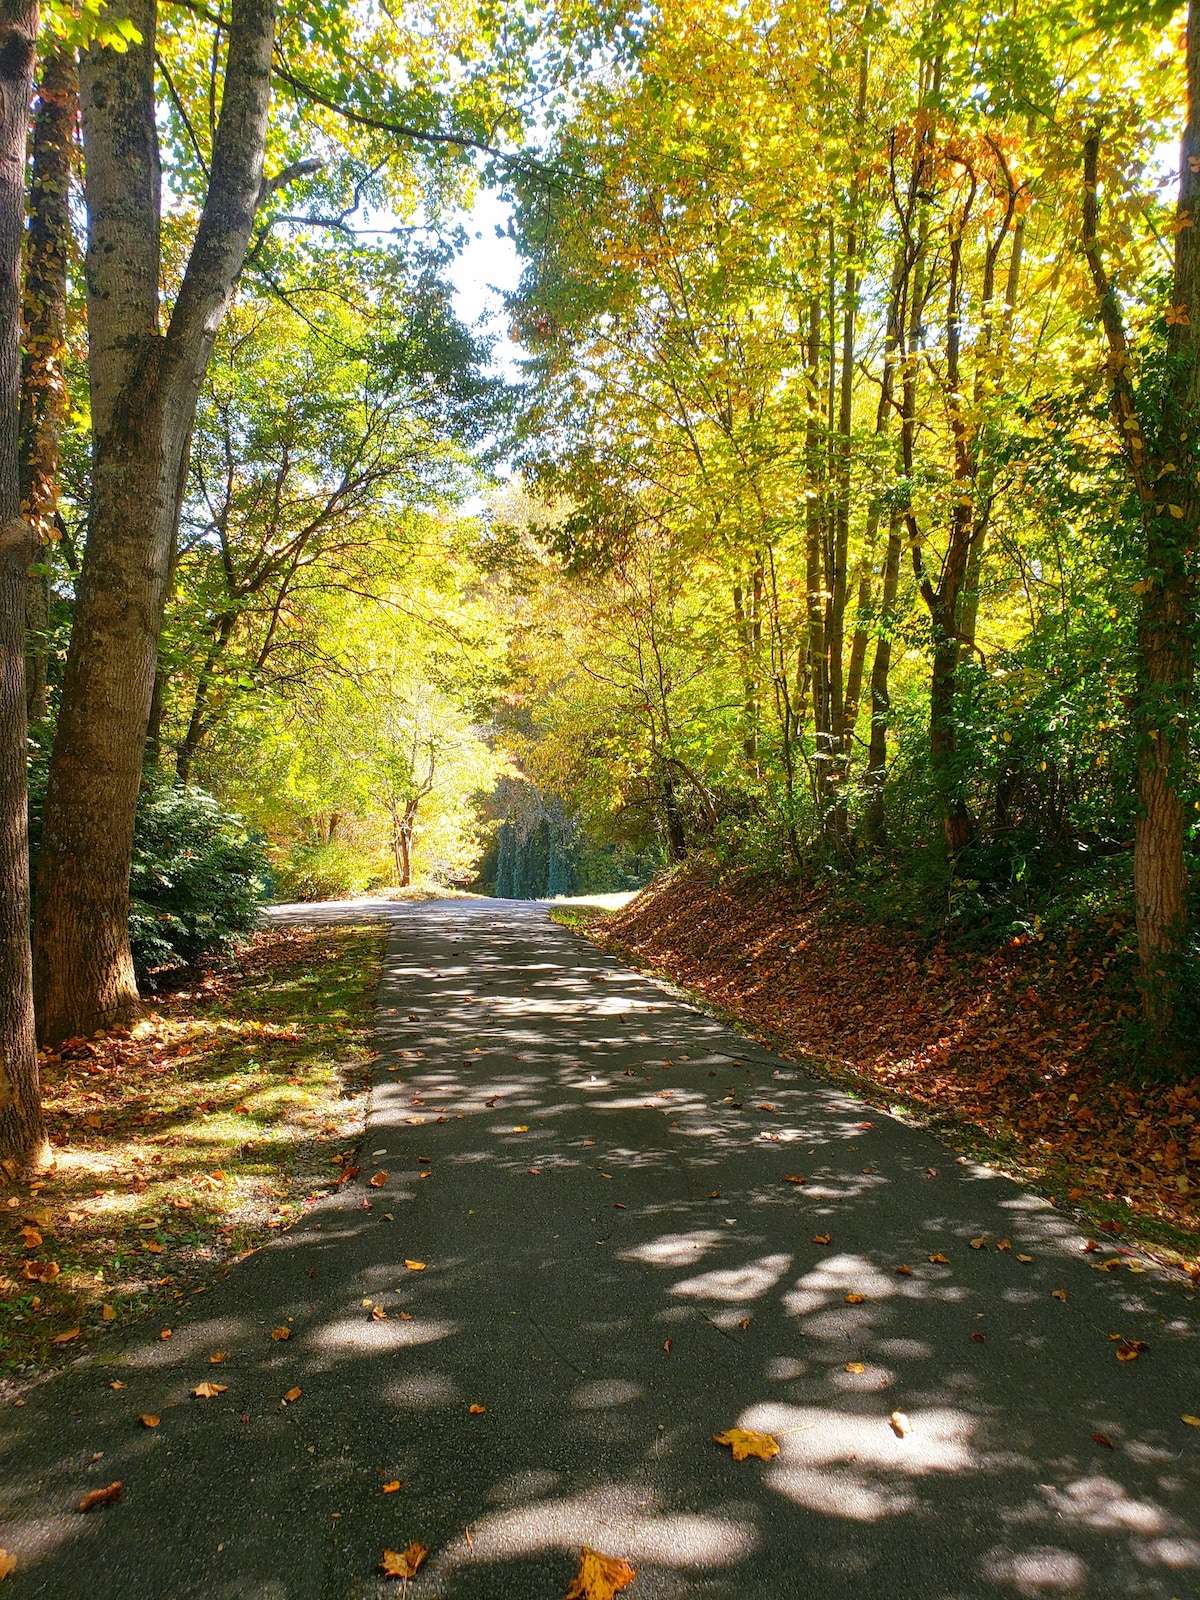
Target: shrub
<point x="325" y="872"/>
<point x="198" y="876"/>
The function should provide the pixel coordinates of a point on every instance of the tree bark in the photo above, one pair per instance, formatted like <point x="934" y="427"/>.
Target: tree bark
<point x="22" y="1134"/>
<point x="144" y="386"/>
<point x="44" y="399"/>
<point x="1160" y="451"/>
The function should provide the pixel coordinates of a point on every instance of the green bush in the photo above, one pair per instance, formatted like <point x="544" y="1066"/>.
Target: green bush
<point x="324" y="872"/>
<point x="198" y="877"/>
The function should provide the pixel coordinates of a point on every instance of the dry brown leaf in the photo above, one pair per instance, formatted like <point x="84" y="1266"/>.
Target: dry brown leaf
<point x="65" y="1338"/>
<point x="855" y="1299"/>
<point x="30" y="1238"/>
<point x="1004" y="1244"/>
<point x="1192" y="1422"/>
<point x="904" y="1270"/>
<point x="153" y="1246"/>
<point x="377" y="1180"/>
<point x="415" y="1266"/>
<point x="900" y="1424"/>
<point x="404" y="1563"/>
<point x="599" y="1577"/>
<point x="1058" y="1294"/>
<point x="216" y="1358"/>
<point x="746" y="1442"/>
<point x="980" y="1243"/>
<point x="822" y="1238"/>
<point x="293" y="1394"/>
<point x="209" y="1391"/>
<point x="101" y="1497"/>
<point x="1025" y="1258"/>
<point x="281" y="1333"/>
<point x="478" y="1411"/>
<point x="165" y="1334"/>
<point x="744" y="1323"/>
<point x="7" y="1563"/>
<point x="855" y="1366"/>
<point x="1102" y="1438"/>
<point x="149" y="1420"/>
<point x="108" y="1313"/>
<point x="117" y="1384"/>
<point x="40" y="1271"/>
<point x="393" y="1488"/>
<point x="940" y="1260"/>
<point x="792" y="1177"/>
<point x="378" y="1314"/>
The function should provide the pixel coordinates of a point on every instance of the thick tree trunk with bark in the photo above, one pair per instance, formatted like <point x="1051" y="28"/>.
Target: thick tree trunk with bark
<point x="144" y="385"/>
<point x="22" y="1137"/>
<point x="44" y="399"/>
<point x="1162" y="453"/>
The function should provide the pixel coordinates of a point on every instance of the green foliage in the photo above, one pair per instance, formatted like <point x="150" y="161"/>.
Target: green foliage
<point x="198" y="877"/>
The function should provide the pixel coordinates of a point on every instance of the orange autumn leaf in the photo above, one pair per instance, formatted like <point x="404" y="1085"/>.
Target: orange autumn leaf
<point x="153" y="1246"/>
<point x="209" y="1391"/>
<point x="281" y="1333"/>
<point x="792" y="1177"/>
<point x="7" y="1563"/>
<point x="822" y="1238"/>
<point x="415" y="1266"/>
<point x="65" y="1338"/>
<point x="404" y="1563"/>
<point x="149" y="1420"/>
<point x="165" y="1334"/>
<point x="40" y="1271"/>
<point x="30" y="1238"/>
<point x="599" y="1576"/>
<point x="293" y="1394"/>
<point x="746" y="1442"/>
<point x="939" y="1260"/>
<point x="216" y="1358"/>
<point x="899" y="1424"/>
<point x="108" y="1313"/>
<point x="377" y="1180"/>
<point x="478" y="1411"/>
<point x="904" y="1270"/>
<point x="855" y="1299"/>
<point x="855" y="1366"/>
<point x="101" y="1497"/>
<point x="393" y="1487"/>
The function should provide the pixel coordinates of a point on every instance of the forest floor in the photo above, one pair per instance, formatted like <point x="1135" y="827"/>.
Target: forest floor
<point x="182" y="1143"/>
<point x="1017" y="1053"/>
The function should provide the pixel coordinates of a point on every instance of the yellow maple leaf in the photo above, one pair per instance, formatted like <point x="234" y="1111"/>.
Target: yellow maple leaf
<point x="745" y="1442"/>
<point x="209" y="1391"/>
<point x="404" y="1563"/>
<point x="599" y="1576"/>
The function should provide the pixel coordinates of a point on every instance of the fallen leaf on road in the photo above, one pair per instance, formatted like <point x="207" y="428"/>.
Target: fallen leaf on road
<point x="216" y="1358"/>
<point x="822" y="1238"/>
<point x="1003" y="1244"/>
<point x="393" y="1487"/>
<point x="7" y="1563"/>
<point x="378" y="1314"/>
<point x="855" y="1366"/>
<point x="940" y="1260"/>
<point x="667" y="1343"/>
<point x="1025" y="1258"/>
<point x="979" y="1338"/>
<point x="117" y="1384"/>
<point x="900" y="1424"/>
<point x="404" y="1563"/>
<point x="107" y="1313"/>
<point x="1192" y="1422"/>
<point x="281" y="1333"/>
<point x="293" y="1395"/>
<point x="101" y="1497"/>
<point x="745" y="1442"/>
<point x="904" y="1270"/>
<point x="1090" y="1244"/>
<point x="1102" y="1438"/>
<point x="377" y="1180"/>
<point x="40" y="1271"/>
<point x="165" y="1334"/>
<point x="521" y="1128"/>
<point x="855" y="1299"/>
<point x="1129" y="1350"/>
<point x="478" y="1411"/>
<point x="209" y="1391"/>
<point x="980" y="1243"/>
<point x="415" y="1266"/>
<point x="65" y="1338"/>
<point x="599" y="1577"/>
<point x="149" y="1420"/>
<point x="1058" y="1294"/>
<point x="744" y="1323"/>
<point x="792" y="1177"/>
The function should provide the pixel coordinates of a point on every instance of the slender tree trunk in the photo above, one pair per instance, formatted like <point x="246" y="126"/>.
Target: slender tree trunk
<point x="22" y="1135"/>
<point x="676" y="837"/>
<point x="44" y="399"/>
<point x="144" y="385"/>
<point x="881" y="703"/>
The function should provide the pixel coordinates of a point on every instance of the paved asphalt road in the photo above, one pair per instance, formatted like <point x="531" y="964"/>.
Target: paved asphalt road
<point x="617" y="1270"/>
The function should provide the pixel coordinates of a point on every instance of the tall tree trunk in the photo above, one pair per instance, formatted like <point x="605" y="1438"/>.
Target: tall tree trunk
<point x="44" y="398"/>
<point x="676" y="837"/>
<point x="1162" y="471"/>
<point x="22" y="1135"/>
<point x="144" y="386"/>
<point x="881" y="703"/>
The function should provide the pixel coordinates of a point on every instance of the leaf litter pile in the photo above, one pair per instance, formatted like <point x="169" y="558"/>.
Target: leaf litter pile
<point x="182" y="1143"/>
<point x="1022" y="1045"/>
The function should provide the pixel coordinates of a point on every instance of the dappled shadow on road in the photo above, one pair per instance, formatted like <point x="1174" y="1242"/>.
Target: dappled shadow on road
<point x="586" y="1222"/>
